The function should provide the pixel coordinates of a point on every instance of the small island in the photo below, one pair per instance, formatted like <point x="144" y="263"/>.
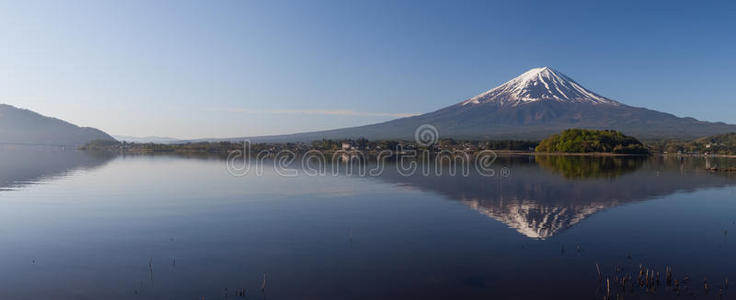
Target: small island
<point x="592" y="141"/>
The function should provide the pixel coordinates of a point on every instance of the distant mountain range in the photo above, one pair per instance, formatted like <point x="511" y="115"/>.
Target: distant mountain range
<point x="531" y="106"/>
<point x="22" y="126"/>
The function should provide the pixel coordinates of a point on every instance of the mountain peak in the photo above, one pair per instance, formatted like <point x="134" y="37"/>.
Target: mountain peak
<point x="539" y="84"/>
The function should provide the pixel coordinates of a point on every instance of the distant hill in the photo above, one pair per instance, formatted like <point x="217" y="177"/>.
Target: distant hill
<point x="146" y="139"/>
<point x="22" y="126"/>
<point x="718" y="144"/>
<point x="726" y="139"/>
<point x="723" y="144"/>
<point x="532" y="106"/>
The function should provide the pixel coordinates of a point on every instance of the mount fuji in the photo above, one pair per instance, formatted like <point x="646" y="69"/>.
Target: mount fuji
<point x="539" y="84"/>
<point x="537" y="103"/>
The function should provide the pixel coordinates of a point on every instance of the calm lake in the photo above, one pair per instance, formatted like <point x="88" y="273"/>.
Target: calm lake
<point x="76" y="225"/>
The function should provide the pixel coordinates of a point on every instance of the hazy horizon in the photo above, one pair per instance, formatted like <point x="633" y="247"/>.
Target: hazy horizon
<point x="195" y="70"/>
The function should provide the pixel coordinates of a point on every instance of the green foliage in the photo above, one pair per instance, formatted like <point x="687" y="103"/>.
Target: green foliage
<point x="591" y="141"/>
<point x="104" y="143"/>
<point x="511" y="145"/>
<point x="325" y="144"/>
<point x="100" y="145"/>
<point x="321" y="145"/>
<point x="724" y="144"/>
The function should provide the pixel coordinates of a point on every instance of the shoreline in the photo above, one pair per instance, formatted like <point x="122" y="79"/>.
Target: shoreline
<point x="226" y="148"/>
<point x="591" y="154"/>
<point x="603" y="154"/>
<point x="370" y="152"/>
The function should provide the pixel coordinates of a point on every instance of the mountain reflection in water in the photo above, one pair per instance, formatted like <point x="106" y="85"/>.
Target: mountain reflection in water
<point x="181" y="227"/>
<point x="572" y="188"/>
<point x="24" y="165"/>
<point x="542" y="197"/>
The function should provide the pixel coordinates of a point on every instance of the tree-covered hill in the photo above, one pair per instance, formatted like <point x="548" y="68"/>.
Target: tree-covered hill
<point x="591" y="141"/>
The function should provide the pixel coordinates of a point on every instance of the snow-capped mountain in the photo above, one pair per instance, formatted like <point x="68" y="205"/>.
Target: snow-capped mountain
<point x="533" y="219"/>
<point x="539" y="84"/>
<point x="539" y="102"/>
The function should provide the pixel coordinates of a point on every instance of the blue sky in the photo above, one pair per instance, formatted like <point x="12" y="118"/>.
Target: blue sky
<point x="244" y="68"/>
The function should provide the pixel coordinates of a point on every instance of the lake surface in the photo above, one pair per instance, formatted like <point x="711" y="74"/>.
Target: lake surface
<point x="76" y="225"/>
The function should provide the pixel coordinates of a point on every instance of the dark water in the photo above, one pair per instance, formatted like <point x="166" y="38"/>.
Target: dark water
<point x="79" y="226"/>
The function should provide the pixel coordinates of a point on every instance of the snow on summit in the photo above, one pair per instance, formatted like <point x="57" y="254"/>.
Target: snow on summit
<point x="539" y="84"/>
